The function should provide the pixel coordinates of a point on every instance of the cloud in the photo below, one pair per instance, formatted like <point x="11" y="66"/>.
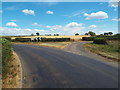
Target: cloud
<point x="49" y="12"/>
<point x="75" y="13"/>
<point x="97" y="15"/>
<point x="116" y="19"/>
<point x="73" y="24"/>
<point x="30" y="12"/>
<point x="20" y="31"/>
<point x="85" y="14"/>
<point x="114" y="3"/>
<point x="36" y="24"/>
<point x="54" y="27"/>
<point x="11" y="24"/>
<point x="68" y="29"/>
<point x="39" y="30"/>
<point x="92" y="26"/>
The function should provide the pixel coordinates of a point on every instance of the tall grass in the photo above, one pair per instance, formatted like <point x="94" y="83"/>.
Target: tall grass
<point x="6" y="54"/>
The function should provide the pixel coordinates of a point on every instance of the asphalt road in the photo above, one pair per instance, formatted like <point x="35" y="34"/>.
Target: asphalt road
<point x="78" y="48"/>
<point x="45" y="67"/>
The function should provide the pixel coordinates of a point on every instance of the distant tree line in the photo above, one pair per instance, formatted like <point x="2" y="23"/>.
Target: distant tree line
<point x="91" y="33"/>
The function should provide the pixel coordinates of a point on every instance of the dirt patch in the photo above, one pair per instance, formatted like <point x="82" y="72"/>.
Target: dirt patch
<point x="13" y="79"/>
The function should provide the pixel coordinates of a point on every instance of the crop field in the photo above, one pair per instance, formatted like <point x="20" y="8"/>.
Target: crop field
<point x="78" y="37"/>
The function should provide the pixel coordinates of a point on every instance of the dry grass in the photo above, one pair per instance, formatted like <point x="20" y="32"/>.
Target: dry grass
<point x="59" y="45"/>
<point x="13" y="79"/>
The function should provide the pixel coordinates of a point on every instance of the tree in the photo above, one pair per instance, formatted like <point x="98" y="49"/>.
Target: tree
<point x="76" y="34"/>
<point x="86" y="34"/>
<point x="110" y="33"/>
<point x="37" y="34"/>
<point x="56" y="34"/>
<point x="32" y="34"/>
<point x="101" y="34"/>
<point x="106" y="34"/>
<point x="91" y="33"/>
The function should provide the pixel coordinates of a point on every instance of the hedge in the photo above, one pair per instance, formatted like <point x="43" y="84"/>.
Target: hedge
<point x="42" y="39"/>
<point x="100" y="40"/>
<point x="54" y="39"/>
<point x="115" y="37"/>
<point x="88" y="38"/>
<point x="22" y="39"/>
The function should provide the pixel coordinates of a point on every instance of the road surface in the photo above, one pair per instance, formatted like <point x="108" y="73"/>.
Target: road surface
<point x="45" y="67"/>
<point x="78" y="48"/>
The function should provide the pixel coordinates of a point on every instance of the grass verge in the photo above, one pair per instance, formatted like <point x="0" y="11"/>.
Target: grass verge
<point x="13" y="79"/>
<point x="11" y="70"/>
<point x="110" y="51"/>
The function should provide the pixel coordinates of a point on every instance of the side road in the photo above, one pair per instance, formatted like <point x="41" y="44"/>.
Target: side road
<point x="78" y="48"/>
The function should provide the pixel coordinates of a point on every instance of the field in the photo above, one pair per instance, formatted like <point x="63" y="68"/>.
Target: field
<point x="76" y="38"/>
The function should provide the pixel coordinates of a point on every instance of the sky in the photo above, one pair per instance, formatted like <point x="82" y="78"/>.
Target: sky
<point x="64" y="18"/>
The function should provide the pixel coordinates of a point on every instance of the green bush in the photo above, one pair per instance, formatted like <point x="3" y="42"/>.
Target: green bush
<point x="55" y="39"/>
<point x="8" y="38"/>
<point x="115" y="37"/>
<point x="6" y="54"/>
<point x="22" y="39"/>
<point x="100" y="40"/>
<point x="88" y="38"/>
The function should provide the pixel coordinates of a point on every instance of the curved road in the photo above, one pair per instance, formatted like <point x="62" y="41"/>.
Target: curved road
<point x="78" y="48"/>
<point x="45" y="67"/>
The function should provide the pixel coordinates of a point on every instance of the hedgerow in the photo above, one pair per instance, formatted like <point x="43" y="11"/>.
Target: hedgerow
<point x="88" y="38"/>
<point x="55" y="39"/>
<point x="100" y="40"/>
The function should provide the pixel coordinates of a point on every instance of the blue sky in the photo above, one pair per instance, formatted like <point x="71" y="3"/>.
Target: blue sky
<point x="64" y="18"/>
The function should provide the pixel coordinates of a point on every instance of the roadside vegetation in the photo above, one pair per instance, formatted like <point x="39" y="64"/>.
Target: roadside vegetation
<point x="6" y="55"/>
<point x="10" y="66"/>
<point x="105" y="45"/>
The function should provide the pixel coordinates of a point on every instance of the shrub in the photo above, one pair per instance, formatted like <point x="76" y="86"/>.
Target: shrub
<point x="88" y="38"/>
<point x="100" y="40"/>
<point x="22" y="39"/>
<point x="115" y="37"/>
<point x="55" y="39"/>
<point x="8" y="38"/>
